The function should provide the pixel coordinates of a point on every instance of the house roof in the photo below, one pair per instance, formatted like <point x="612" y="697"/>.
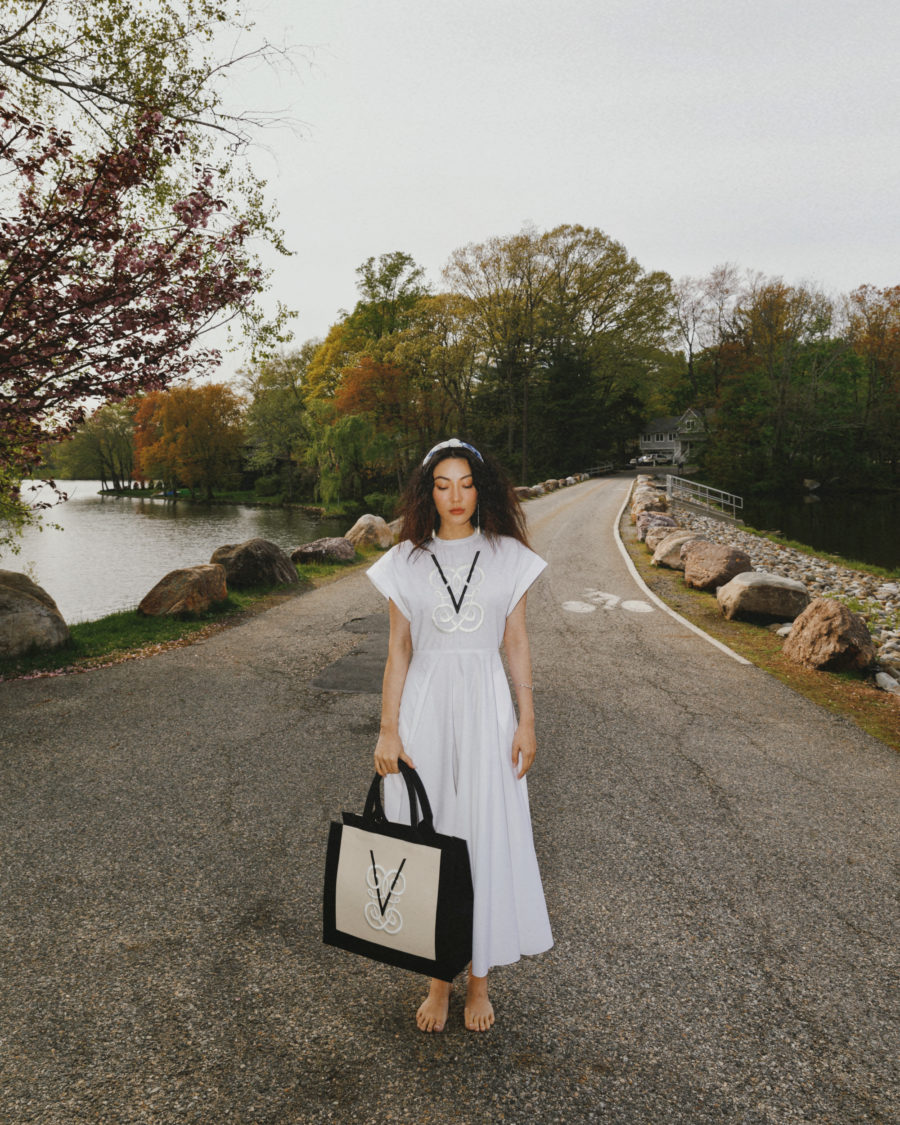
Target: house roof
<point x="668" y="423"/>
<point x="674" y="421"/>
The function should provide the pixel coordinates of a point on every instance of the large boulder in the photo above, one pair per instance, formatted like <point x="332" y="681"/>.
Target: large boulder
<point x="256" y="562"/>
<point x="650" y="501"/>
<point x="523" y="491"/>
<point x="656" y="533"/>
<point x="29" y="617"/>
<point x="829" y="637"/>
<point x="550" y="485"/>
<point x="192" y="589"/>
<point x="708" y="565"/>
<point x="370" y="531"/>
<point x="668" y="550"/>
<point x="646" y="520"/>
<point x="332" y="549"/>
<point x="760" y="594"/>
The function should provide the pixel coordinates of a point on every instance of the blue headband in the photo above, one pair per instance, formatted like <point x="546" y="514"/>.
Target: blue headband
<point x="452" y="443"/>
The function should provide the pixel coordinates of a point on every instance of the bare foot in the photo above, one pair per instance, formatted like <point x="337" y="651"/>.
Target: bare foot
<point x="479" y="1010"/>
<point x="432" y="1013"/>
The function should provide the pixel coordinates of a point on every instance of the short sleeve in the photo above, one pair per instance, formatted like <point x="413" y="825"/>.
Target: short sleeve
<point x="385" y="578"/>
<point x="525" y="568"/>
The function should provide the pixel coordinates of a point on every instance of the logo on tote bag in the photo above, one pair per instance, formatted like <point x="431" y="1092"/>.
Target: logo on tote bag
<point x="382" y="886"/>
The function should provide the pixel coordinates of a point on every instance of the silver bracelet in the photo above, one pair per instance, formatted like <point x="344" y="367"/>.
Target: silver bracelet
<point x="529" y="686"/>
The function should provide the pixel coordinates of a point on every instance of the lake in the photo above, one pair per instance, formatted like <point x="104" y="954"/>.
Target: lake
<point x="865" y="526"/>
<point x="112" y="549"/>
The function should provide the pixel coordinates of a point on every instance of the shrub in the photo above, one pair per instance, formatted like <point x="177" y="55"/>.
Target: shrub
<point x="381" y="504"/>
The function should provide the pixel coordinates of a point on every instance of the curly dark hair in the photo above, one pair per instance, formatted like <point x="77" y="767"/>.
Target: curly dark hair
<point x="499" y="510"/>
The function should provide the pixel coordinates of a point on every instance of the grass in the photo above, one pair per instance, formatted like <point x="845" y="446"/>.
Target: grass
<point x="837" y="560"/>
<point x="848" y="694"/>
<point x="128" y="635"/>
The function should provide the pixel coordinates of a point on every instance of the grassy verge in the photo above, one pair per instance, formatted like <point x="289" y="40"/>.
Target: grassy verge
<point x="836" y="560"/>
<point x="845" y="693"/>
<point x="128" y="635"/>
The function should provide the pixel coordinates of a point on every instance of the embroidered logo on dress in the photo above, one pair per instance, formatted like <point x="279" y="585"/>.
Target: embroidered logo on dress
<point x="381" y="913"/>
<point x="467" y="613"/>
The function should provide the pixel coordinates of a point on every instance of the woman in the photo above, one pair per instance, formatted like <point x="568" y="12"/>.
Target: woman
<point x="456" y="585"/>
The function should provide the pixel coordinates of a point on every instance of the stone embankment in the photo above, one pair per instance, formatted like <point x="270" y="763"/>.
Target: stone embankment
<point x="874" y="598"/>
<point x="832" y="617"/>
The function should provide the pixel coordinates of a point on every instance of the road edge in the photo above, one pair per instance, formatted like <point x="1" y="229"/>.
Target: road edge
<point x="635" y="574"/>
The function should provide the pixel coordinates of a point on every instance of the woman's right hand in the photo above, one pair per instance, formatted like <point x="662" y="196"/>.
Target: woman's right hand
<point x="388" y="752"/>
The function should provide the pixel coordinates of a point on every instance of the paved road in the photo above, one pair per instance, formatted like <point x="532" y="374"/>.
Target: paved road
<point x="717" y="855"/>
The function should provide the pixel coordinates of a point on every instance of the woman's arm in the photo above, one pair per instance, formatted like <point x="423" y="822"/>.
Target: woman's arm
<point x="389" y="749"/>
<point x="515" y="641"/>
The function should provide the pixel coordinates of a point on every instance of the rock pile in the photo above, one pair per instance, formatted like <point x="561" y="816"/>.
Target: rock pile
<point x="873" y="598"/>
<point x="836" y="617"/>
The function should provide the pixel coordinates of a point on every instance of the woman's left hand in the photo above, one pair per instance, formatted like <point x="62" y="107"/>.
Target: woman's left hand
<point x="524" y="747"/>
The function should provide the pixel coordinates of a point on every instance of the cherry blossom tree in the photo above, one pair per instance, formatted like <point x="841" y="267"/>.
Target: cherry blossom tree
<point x="98" y="299"/>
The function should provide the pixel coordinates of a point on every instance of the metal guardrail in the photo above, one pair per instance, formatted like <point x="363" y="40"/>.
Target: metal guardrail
<point x="702" y="496"/>
<point x="606" y="467"/>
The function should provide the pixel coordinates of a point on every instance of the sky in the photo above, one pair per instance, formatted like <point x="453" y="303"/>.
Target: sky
<point x="695" y="132"/>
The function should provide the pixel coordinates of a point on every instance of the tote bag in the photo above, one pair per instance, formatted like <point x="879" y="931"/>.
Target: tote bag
<point x="399" y="893"/>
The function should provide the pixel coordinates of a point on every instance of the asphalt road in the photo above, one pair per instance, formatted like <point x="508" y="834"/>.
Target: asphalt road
<point x="719" y="858"/>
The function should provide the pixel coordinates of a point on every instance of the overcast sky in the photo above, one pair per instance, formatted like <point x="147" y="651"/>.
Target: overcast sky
<point x="762" y="133"/>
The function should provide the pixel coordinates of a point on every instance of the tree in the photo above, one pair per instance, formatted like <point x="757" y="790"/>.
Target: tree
<point x="389" y="286"/>
<point x="873" y="329"/>
<point x="568" y="324"/>
<point x="191" y="435"/>
<point x="98" y="66"/>
<point x="276" y="422"/>
<point x="102" y="448"/>
<point x="503" y="281"/>
<point x="94" y="303"/>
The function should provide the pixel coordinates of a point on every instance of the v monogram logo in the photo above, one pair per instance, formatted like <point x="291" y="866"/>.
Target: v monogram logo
<point x="378" y="883"/>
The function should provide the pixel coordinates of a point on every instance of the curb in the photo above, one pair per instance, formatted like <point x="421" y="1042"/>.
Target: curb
<point x="662" y="605"/>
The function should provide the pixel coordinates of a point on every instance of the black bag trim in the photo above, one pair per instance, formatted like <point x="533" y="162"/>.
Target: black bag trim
<point x="453" y="925"/>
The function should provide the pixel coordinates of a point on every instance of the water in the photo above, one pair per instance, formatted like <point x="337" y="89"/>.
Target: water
<point x="113" y="549"/>
<point x="865" y="526"/>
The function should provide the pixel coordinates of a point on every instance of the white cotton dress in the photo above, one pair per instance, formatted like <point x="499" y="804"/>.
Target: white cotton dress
<point x="457" y="724"/>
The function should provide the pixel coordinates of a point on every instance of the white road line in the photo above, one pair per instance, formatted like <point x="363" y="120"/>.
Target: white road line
<point x="662" y="605"/>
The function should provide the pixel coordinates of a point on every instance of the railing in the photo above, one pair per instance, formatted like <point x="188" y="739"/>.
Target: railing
<point x="702" y="496"/>
<point x="606" y="467"/>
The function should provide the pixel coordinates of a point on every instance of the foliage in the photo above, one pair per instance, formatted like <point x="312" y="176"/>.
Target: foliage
<point x="798" y="384"/>
<point x="96" y="68"/>
<point x="276" y="421"/>
<point x="102" y="448"/>
<point x="191" y="436"/>
<point x="88" y="292"/>
<point x="565" y="317"/>
<point x="390" y="287"/>
<point x="129" y="208"/>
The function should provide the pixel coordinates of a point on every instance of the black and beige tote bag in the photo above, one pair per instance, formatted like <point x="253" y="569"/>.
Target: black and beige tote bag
<point x="399" y="893"/>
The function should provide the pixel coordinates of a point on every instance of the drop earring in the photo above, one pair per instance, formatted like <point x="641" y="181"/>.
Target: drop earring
<point x="478" y="518"/>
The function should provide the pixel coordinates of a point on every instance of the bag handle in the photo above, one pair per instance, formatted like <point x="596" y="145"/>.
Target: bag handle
<point x="420" y="815"/>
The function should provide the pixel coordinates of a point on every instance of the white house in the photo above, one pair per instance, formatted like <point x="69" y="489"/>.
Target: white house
<point x="672" y="439"/>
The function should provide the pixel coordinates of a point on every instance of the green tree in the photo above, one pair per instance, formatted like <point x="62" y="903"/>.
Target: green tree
<point x="277" y="422"/>
<point x="102" y="448"/>
<point x="390" y="287"/>
<point x="569" y="326"/>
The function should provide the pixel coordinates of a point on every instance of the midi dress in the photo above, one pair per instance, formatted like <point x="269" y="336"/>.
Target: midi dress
<point x="457" y="724"/>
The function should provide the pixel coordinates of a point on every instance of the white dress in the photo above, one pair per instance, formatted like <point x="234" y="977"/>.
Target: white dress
<point x="457" y="724"/>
